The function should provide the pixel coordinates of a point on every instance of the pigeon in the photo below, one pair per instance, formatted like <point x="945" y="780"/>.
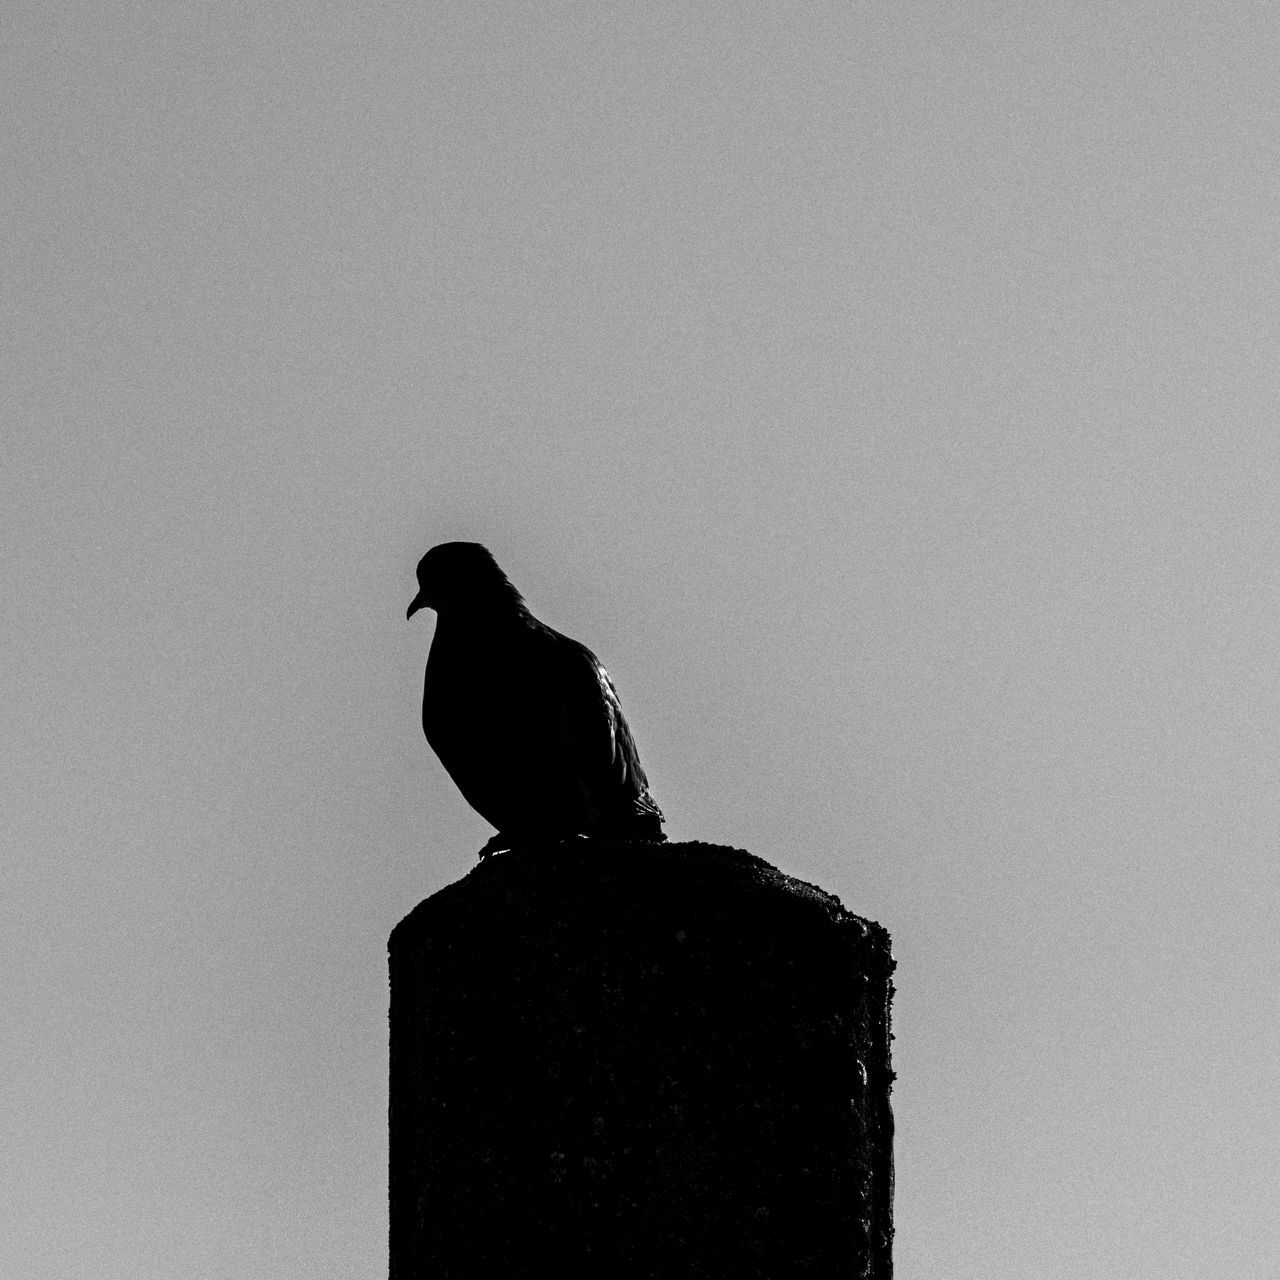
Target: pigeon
<point x="525" y="720"/>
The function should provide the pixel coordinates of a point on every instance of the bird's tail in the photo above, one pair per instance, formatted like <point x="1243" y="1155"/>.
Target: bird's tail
<point x="644" y="824"/>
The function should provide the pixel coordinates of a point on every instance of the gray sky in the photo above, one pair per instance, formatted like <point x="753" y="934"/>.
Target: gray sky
<point x="888" y="393"/>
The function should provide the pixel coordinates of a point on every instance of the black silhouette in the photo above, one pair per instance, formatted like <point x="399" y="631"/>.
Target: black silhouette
<point x="525" y="720"/>
<point x="671" y="1061"/>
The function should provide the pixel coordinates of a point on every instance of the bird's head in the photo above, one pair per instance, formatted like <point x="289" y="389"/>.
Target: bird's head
<point x="461" y="574"/>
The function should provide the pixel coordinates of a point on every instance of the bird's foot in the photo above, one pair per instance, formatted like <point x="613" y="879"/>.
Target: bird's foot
<point x="496" y="844"/>
<point x="504" y="843"/>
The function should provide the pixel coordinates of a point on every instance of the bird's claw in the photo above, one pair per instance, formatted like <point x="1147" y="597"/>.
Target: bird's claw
<point x="496" y="844"/>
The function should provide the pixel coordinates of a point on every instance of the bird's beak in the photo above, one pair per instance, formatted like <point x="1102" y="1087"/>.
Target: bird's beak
<point x="417" y="604"/>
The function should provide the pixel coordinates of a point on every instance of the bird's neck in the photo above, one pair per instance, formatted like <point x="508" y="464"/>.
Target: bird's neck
<point x="464" y="625"/>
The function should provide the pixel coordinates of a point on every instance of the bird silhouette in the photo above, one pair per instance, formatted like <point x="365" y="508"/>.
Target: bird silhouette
<point x="525" y="720"/>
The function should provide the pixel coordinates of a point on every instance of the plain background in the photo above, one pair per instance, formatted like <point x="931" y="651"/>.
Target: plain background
<point x="887" y="392"/>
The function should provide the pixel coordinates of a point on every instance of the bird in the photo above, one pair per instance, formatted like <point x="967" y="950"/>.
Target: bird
<point x="525" y="720"/>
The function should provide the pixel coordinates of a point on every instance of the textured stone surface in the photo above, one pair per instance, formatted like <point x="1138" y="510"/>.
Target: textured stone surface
<point x="637" y="1060"/>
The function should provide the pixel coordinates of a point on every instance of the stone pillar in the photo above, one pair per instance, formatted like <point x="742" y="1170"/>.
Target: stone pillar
<point x="638" y="1060"/>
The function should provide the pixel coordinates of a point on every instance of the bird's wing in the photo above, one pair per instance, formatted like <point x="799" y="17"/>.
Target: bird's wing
<point x="580" y="707"/>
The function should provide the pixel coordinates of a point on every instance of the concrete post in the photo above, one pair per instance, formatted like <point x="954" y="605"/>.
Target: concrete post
<point x="639" y="1060"/>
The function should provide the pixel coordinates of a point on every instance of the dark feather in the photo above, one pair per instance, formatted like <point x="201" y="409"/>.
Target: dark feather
<point x="525" y="720"/>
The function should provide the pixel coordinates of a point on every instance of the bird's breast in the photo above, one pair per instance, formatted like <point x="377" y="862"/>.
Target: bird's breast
<point x="462" y="694"/>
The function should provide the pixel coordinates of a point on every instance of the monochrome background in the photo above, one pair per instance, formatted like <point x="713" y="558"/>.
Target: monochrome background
<point x="887" y="392"/>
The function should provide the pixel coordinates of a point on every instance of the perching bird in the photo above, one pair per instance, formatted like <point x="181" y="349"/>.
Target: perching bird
<point x="525" y="720"/>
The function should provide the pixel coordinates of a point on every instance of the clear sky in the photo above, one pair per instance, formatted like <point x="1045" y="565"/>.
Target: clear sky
<point x="887" y="392"/>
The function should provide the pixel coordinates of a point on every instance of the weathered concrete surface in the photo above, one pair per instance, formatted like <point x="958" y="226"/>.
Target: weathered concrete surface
<point x="639" y="1060"/>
